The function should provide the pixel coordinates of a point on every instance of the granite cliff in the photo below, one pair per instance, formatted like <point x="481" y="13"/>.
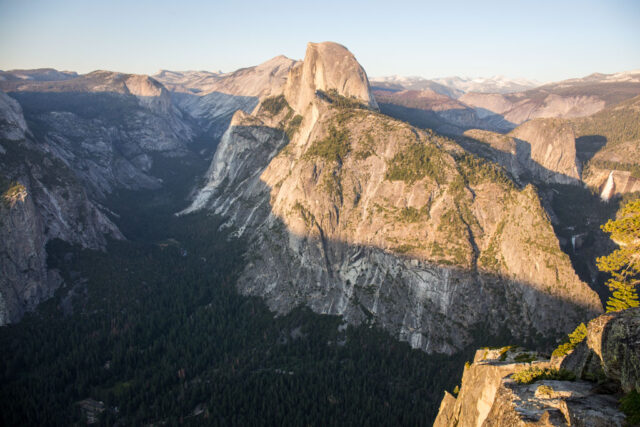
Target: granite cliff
<point x="67" y="143"/>
<point x="42" y="199"/>
<point x="353" y="213"/>
<point x="540" y="150"/>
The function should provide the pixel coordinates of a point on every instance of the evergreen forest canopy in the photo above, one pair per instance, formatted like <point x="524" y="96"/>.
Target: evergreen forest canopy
<point x="155" y="329"/>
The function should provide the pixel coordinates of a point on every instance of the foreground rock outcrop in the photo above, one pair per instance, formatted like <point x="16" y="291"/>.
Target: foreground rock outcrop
<point x="611" y="350"/>
<point x="590" y="381"/>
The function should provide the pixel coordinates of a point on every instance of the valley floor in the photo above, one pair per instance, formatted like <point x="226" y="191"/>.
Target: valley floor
<point x="155" y="330"/>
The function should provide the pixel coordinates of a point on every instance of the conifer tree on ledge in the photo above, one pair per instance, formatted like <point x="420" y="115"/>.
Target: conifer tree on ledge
<point x="624" y="263"/>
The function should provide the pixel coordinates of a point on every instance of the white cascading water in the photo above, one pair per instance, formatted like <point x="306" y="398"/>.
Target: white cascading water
<point x="609" y="188"/>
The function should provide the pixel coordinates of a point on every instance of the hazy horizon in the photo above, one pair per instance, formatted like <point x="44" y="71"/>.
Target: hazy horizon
<point x="543" y="42"/>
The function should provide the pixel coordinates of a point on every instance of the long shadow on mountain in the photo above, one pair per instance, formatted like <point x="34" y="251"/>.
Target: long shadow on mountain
<point x="576" y="213"/>
<point x="424" y="119"/>
<point x="588" y="145"/>
<point x="452" y="122"/>
<point x="517" y="161"/>
<point x="437" y="308"/>
<point x="107" y="106"/>
<point x="111" y="140"/>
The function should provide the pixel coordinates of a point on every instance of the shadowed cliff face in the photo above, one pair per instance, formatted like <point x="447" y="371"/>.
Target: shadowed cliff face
<point x="353" y="213"/>
<point x="89" y="137"/>
<point x="104" y="125"/>
<point x="40" y="199"/>
<point x="80" y="139"/>
<point x="541" y="150"/>
<point x="428" y="109"/>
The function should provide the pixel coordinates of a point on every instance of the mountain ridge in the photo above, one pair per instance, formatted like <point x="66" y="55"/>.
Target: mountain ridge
<point x="323" y="204"/>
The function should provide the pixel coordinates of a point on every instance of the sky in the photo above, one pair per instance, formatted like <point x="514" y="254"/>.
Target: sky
<point x="541" y="40"/>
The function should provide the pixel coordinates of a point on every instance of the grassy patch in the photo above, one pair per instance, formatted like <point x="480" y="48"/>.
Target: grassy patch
<point x="545" y="390"/>
<point x="367" y="147"/>
<point x="13" y="193"/>
<point x="334" y="147"/>
<point x="475" y="170"/>
<point x="630" y="405"/>
<point x="411" y="214"/>
<point x="333" y="97"/>
<point x="415" y="162"/>
<point x="332" y="184"/>
<point x="293" y="126"/>
<point x="274" y="104"/>
<point x="524" y="358"/>
<point x="504" y="351"/>
<point x="306" y="215"/>
<point x="404" y="248"/>
<point x="575" y="338"/>
<point x="533" y="374"/>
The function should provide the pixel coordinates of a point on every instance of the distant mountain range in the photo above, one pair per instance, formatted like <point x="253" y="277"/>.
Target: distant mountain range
<point x="452" y="105"/>
<point x="455" y="86"/>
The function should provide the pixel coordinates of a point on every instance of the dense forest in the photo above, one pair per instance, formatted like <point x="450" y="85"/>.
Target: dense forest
<point x="154" y="328"/>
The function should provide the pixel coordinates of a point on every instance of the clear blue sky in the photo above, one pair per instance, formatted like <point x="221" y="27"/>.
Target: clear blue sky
<point x="544" y="40"/>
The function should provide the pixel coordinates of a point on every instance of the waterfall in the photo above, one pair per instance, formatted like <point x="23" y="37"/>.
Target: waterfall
<point x="609" y="188"/>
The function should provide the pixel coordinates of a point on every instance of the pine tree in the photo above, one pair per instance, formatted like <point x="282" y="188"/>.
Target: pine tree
<point x="624" y="263"/>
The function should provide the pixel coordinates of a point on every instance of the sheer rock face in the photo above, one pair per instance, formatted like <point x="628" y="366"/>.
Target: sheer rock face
<point x="542" y="150"/>
<point x="446" y="411"/>
<point x="611" y="182"/>
<point x="86" y="136"/>
<point x="12" y="123"/>
<point x="105" y="126"/>
<point x="552" y="150"/>
<point x="431" y="259"/>
<point x="327" y="66"/>
<point x="52" y="204"/>
<point x="489" y="397"/>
